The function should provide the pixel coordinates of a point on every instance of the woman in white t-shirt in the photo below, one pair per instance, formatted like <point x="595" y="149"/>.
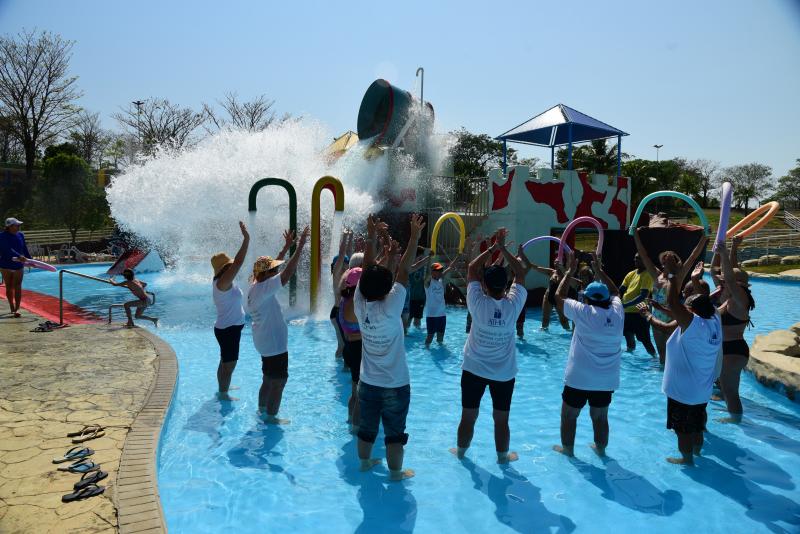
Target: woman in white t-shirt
<point x="592" y="372"/>
<point x="230" y="314"/>
<point x="691" y="367"/>
<point x="270" y="334"/>
<point x="490" y="354"/>
<point x="435" y="308"/>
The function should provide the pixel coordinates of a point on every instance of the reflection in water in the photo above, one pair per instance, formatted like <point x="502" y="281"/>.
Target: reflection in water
<point x="255" y="450"/>
<point x="754" y="467"/>
<point x="760" y="505"/>
<point x="629" y="489"/>
<point x="209" y="419"/>
<point x="387" y="506"/>
<point x="518" y="503"/>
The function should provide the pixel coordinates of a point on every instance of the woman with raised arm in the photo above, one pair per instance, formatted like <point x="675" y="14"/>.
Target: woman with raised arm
<point x="737" y="302"/>
<point x="230" y="313"/>
<point x="549" y="299"/>
<point x="270" y="333"/>
<point x="338" y="266"/>
<point x="671" y="267"/>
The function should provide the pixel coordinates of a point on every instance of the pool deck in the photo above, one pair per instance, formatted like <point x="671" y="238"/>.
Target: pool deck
<point x="56" y="382"/>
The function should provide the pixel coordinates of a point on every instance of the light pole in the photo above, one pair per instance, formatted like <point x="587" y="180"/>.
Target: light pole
<point x="658" y="169"/>
<point x="138" y="104"/>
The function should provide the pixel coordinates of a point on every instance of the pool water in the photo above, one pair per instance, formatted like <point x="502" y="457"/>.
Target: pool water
<point x="221" y="469"/>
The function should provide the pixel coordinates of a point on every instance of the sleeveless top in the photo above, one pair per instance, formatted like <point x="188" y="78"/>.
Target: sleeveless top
<point x="660" y="296"/>
<point x="690" y="367"/>
<point x="348" y="327"/>
<point x="229" y="306"/>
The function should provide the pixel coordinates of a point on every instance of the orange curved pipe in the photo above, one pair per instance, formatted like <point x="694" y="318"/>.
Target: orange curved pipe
<point x="334" y="185"/>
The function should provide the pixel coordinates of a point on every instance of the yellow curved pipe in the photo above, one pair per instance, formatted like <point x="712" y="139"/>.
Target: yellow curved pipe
<point x="461" y="228"/>
<point x="333" y="185"/>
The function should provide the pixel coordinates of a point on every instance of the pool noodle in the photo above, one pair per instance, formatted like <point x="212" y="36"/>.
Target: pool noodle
<point x="724" y="214"/>
<point x="689" y="200"/>
<point x="572" y="225"/>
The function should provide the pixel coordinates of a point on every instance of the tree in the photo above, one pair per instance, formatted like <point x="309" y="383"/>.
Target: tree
<point x="61" y="148"/>
<point x="160" y="123"/>
<point x="708" y="173"/>
<point x="789" y="188"/>
<point x="36" y="93"/>
<point x="474" y="154"/>
<point x="596" y="157"/>
<point x="68" y="193"/>
<point x="751" y="181"/>
<point x="252" y="116"/>
<point x="10" y="148"/>
<point x="89" y="137"/>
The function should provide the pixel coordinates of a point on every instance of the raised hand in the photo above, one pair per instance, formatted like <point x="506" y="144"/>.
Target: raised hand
<point x="697" y="272"/>
<point x="500" y="236"/>
<point x="304" y="236"/>
<point x="417" y="224"/>
<point x="288" y="238"/>
<point x="243" y="229"/>
<point x="643" y="309"/>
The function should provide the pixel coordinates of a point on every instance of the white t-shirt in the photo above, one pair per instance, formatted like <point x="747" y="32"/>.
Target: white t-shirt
<point x="690" y="367"/>
<point x="270" y="333"/>
<point x="383" y="354"/>
<point x="490" y="351"/>
<point x="434" y="299"/>
<point x="595" y="351"/>
<point x="229" y="306"/>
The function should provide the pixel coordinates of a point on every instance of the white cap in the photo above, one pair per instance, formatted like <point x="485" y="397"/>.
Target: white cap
<point x="11" y="221"/>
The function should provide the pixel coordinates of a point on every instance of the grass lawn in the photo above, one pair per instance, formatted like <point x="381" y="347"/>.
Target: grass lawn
<point x="772" y="269"/>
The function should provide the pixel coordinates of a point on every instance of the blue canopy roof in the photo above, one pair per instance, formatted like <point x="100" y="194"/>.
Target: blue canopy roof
<point x="552" y="128"/>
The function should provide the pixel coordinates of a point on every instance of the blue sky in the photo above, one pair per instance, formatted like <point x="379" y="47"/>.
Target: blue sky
<point x="714" y="79"/>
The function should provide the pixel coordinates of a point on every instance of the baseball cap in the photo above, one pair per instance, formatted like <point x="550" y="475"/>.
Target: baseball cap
<point x="495" y="277"/>
<point x="346" y="260"/>
<point x="437" y="266"/>
<point x="11" y="221"/>
<point x="597" y="291"/>
<point x="352" y="277"/>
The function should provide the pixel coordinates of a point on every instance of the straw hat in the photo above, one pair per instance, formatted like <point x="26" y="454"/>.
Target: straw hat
<point x="220" y="260"/>
<point x="264" y="264"/>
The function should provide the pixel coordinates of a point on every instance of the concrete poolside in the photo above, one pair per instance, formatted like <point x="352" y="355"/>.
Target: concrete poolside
<point x="56" y="382"/>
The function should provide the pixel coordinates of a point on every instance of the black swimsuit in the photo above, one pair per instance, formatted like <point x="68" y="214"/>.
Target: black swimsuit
<point x="734" y="346"/>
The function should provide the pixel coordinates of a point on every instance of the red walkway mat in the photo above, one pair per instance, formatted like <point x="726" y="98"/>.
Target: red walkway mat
<point x="47" y="307"/>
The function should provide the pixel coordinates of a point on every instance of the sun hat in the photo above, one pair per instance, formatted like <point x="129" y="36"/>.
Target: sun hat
<point x="437" y="266"/>
<point x="352" y="277"/>
<point x="495" y="277"/>
<point x="264" y="264"/>
<point x="597" y="291"/>
<point x="220" y="260"/>
<point x="11" y="221"/>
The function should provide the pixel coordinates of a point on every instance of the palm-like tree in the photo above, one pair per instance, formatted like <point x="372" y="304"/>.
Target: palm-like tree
<point x="597" y="157"/>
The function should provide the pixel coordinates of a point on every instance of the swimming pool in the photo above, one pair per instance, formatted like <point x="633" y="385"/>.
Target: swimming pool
<point x="221" y="469"/>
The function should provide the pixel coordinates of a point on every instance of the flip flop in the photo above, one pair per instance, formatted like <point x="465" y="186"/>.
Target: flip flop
<point x="84" y="430"/>
<point x="90" y="478"/>
<point x="75" y="453"/>
<point x="81" y="466"/>
<point x="84" y="493"/>
<point x="92" y="434"/>
<point x="42" y="329"/>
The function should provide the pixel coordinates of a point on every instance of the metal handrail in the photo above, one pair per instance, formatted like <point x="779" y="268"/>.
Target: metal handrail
<point x="61" y="291"/>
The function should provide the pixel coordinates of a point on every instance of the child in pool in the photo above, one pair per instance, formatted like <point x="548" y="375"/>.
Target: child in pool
<point x="435" y="311"/>
<point x="141" y="303"/>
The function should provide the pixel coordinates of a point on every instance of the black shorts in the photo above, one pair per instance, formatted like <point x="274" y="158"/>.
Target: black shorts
<point x="686" y="418"/>
<point x="474" y="386"/>
<point x="228" y="339"/>
<point x="636" y="324"/>
<point x="737" y="346"/>
<point x="435" y="325"/>
<point x="417" y="306"/>
<point x="352" y="357"/>
<point x="577" y="398"/>
<point x="275" y="366"/>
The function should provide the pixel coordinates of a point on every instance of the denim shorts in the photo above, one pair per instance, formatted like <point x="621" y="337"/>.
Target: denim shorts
<point x="387" y="405"/>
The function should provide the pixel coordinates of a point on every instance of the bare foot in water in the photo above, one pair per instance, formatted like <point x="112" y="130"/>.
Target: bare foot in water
<point x="225" y="397"/>
<point x="396" y="476"/>
<point x="732" y="419"/>
<point x="566" y="451"/>
<point x="716" y="397"/>
<point x="600" y="451"/>
<point x="680" y="461"/>
<point x="155" y="323"/>
<point x="508" y="457"/>
<point x="275" y="420"/>
<point x="369" y="463"/>
<point x="458" y="452"/>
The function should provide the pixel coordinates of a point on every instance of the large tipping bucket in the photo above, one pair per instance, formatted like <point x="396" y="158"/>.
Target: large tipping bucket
<point x="385" y="111"/>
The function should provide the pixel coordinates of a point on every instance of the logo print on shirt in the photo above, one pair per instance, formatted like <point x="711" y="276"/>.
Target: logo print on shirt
<point x="366" y="320"/>
<point x="497" y="314"/>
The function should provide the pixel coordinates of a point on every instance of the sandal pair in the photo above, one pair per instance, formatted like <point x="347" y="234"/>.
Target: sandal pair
<point x="85" y="492"/>
<point x="75" y="453"/>
<point x="86" y="433"/>
<point x="81" y="466"/>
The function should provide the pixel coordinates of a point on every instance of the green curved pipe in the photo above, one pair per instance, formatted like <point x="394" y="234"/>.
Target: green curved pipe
<point x="251" y="206"/>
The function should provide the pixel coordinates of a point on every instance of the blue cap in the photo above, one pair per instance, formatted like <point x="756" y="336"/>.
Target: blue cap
<point x="597" y="291"/>
<point x="333" y="261"/>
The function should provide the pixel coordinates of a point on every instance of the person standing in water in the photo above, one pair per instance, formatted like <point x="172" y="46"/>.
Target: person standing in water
<point x="348" y="323"/>
<point x="690" y="368"/>
<point x="227" y="297"/>
<point x="637" y="283"/>
<point x="338" y="266"/>
<point x="592" y="372"/>
<point x="490" y="354"/>
<point x="270" y="333"/>
<point x="436" y="310"/>
<point x="12" y="250"/>
<point x="384" y="392"/>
